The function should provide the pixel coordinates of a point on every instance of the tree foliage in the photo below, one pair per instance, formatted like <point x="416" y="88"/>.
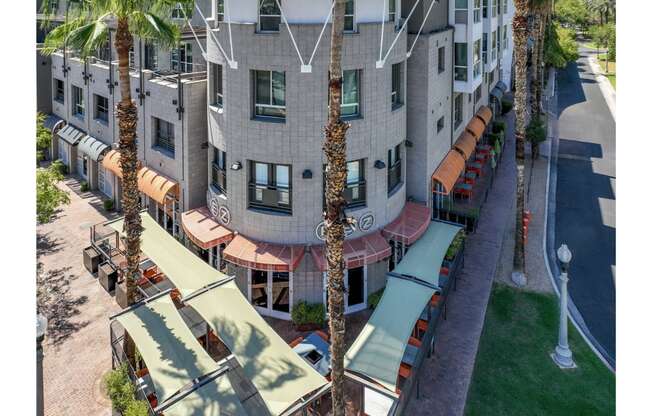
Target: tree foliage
<point x="560" y="46"/>
<point x="604" y="36"/>
<point x="572" y="12"/>
<point x="43" y="137"/>
<point x="48" y="196"/>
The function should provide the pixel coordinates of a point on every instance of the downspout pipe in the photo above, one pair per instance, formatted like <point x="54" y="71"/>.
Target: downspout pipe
<point x="452" y="85"/>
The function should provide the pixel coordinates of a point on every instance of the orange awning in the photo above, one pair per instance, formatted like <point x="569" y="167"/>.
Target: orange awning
<point x="484" y="114"/>
<point x="203" y="230"/>
<point x="368" y="249"/>
<point x="263" y="256"/>
<point x="476" y="127"/>
<point x="111" y="162"/>
<point x="155" y="185"/>
<point x="448" y="171"/>
<point x="410" y="225"/>
<point x="465" y="144"/>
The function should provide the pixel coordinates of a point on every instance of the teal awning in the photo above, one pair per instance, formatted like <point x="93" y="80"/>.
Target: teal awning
<point x="71" y="135"/>
<point x="93" y="148"/>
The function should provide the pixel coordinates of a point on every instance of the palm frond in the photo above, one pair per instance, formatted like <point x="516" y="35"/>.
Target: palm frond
<point x="87" y="38"/>
<point x="57" y="38"/>
<point x="151" y="27"/>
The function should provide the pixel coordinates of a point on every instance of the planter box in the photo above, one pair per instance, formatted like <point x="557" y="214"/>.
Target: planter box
<point x="121" y="295"/>
<point x="107" y="275"/>
<point x="91" y="259"/>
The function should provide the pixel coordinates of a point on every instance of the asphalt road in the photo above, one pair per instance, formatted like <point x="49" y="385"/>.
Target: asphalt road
<point x="585" y="194"/>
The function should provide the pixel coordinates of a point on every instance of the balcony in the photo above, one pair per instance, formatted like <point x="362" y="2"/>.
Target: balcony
<point x="270" y="198"/>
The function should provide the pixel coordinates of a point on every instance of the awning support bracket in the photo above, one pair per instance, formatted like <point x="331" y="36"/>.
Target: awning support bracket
<point x="414" y="279"/>
<point x="207" y="288"/>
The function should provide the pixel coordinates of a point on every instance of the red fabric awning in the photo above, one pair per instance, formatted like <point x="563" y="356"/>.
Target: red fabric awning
<point x="410" y="225"/>
<point x="203" y="230"/>
<point x="263" y="256"/>
<point x="368" y="249"/>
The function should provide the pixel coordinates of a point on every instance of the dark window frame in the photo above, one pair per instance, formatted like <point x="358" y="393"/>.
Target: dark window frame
<point x="164" y="136"/>
<point x="269" y="109"/>
<point x="440" y="124"/>
<point x="441" y="59"/>
<point x="78" y="105"/>
<point x="270" y="21"/>
<point x="269" y="190"/>
<point x="397" y="85"/>
<point x="394" y="169"/>
<point x="217" y="90"/>
<point x="101" y="110"/>
<point x="59" y="91"/>
<point x="218" y="171"/>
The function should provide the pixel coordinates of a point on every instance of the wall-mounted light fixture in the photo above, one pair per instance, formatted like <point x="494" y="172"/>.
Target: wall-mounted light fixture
<point x="307" y="174"/>
<point x="379" y="164"/>
<point x="408" y="143"/>
<point x="236" y="166"/>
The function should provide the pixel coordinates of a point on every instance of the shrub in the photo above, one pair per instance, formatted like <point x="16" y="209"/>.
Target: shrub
<point x="119" y="388"/>
<point x="455" y="246"/>
<point x="137" y="408"/>
<point x="374" y="298"/>
<point x="84" y="187"/>
<point x="304" y="313"/>
<point x="536" y="131"/>
<point x="48" y="195"/>
<point x="499" y="127"/>
<point x="108" y="204"/>
<point x="506" y="106"/>
<point x="560" y="46"/>
<point x="59" y="167"/>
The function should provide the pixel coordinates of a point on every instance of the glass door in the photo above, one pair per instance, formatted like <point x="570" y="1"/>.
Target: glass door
<point x="258" y="289"/>
<point x="270" y="293"/>
<point x="356" y="289"/>
<point x="280" y="292"/>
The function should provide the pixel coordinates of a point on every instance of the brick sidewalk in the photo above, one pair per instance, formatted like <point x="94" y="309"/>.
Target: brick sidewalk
<point x="446" y="376"/>
<point x="76" y="347"/>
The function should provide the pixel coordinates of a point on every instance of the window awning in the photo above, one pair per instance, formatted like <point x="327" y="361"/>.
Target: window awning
<point x="187" y="271"/>
<point x="51" y="120"/>
<point x="199" y="225"/>
<point x="263" y="256"/>
<point x="448" y="171"/>
<point x="93" y="148"/>
<point x="111" y="162"/>
<point x="465" y="144"/>
<point x="368" y="249"/>
<point x="279" y="374"/>
<point x="410" y="225"/>
<point x="155" y="185"/>
<point x="476" y="127"/>
<point x="378" y="350"/>
<point x="173" y="356"/>
<point x="501" y="86"/>
<point x="71" y="135"/>
<point x="497" y="93"/>
<point x="484" y="114"/>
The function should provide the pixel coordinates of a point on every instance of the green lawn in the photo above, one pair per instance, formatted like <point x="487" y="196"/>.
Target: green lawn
<point x="514" y="374"/>
<point x="611" y="75"/>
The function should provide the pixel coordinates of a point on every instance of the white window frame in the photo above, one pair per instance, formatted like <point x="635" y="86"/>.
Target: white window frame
<point x="219" y="16"/>
<point x="78" y="107"/>
<point x="392" y="15"/>
<point x="477" y="11"/>
<point x="217" y="91"/>
<point x="477" y="58"/>
<point x="268" y="311"/>
<point x="494" y="44"/>
<point x="184" y="65"/>
<point x="356" y="104"/>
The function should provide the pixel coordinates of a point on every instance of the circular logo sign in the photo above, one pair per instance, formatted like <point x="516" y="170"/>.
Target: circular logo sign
<point x="224" y="215"/>
<point x="320" y="230"/>
<point x="366" y="222"/>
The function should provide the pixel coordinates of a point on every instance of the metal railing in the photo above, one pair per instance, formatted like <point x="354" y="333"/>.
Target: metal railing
<point x="270" y="197"/>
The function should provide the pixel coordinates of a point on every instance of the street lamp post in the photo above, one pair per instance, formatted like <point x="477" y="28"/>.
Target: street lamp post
<point x="563" y="356"/>
<point x="41" y="326"/>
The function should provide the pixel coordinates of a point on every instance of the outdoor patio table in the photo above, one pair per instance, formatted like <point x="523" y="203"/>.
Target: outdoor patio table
<point x="314" y="342"/>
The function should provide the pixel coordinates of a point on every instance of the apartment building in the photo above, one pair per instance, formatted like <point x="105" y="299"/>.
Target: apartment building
<point x="414" y="76"/>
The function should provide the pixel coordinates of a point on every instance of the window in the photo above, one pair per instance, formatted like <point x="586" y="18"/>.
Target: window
<point x="101" y="108"/>
<point x="219" y="170"/>
<point x="392" y="11"/>
<point x="476" y="11"/>
<point x="504" y="37"/>
<point x="269" y="16"/>
<point x="497" y="3"/>
<point x="132" y="57"/>
<point x="220" y="10"/>
<point x="477" y="62"/>
<point x="164" y="138"/>
<point x="457" y="113"/>
<point x="490" y="77"/>
<point x="485" y="5"/>
<point x="351" y="93"/>
<point x="394" y="168"/>
<point x="270" y="186"/>
<point x="54" y="5"/>
<point x="493" y="45"/>
<point x="484" y="48"/>
<point x="178" y="12"/>
<point x="477" y="95"/>
<point x="349" y="15"/>
<point x="151" y="60"/>
<point x="440" y="124"/>
<point x="77" y="101"/>
<point x="59" y="89"/>
<point x="181" y="58"/>
<point x="396" y="85"/>
<point x="498" y="38"/>
<point x="504" y="5"/>
<point x="217" y="94"/>
<point x="461" y="11"/>
<point x="460" y="62"/>
<point x="441" y="59"/>
<point x="269" y="90"/>
<point x="355" y="192"/>
<point x="494" y="7"/>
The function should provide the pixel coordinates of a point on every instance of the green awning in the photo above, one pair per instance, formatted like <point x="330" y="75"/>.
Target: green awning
<point x="279" y="374"/>
<point x="379" y="349"/>
<point x="93" y="148"/>
<point x="216" y="398"/>
<point x="423" y="259"/>
<point x="71" y="135"/>
<point x="172" y="354"/>
<point x="187" y="271"/>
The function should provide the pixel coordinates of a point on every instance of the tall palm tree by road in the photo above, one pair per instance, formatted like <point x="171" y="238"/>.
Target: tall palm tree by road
<point x="85" y="31"/>
<point x="335" y="219"/>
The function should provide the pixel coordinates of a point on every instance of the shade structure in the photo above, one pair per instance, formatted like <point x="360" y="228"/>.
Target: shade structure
<point x="425" y="257"/>
<point x="476" y="127"/>
<point x="172" y="354"/>
<point x="484" y="114"/>
<point x="279" y="374"/>
<point x="465" y="144"/>
<point x="71" y="135"/>
<point x="51" y="120"/>
<point x="448" y="171"/>
<point x="111" y="162"/>
<point x="502" y="86"/>
<point x="410" y="224"/>
<point x="203" y="230"/>
<point x="367" y="249"/>
<point x="187" y="271"/>
<point x="258" y="255"/>
<point x="497" y="93"/>
<point x="216" y="398"/>
<point x="93" y="148"/>
<point x="156" y="185"/>
<point x="378" y="350"/>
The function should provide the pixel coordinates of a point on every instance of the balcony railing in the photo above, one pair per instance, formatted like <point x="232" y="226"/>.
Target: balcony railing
<point x="219" y="178"/>
<point x="393" y="176"/>
<point x="270" y="197"/>
<point x="355" y="194"/>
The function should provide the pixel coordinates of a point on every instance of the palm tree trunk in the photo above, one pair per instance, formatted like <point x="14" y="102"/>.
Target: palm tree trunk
<point x="519" y="24"/>
<point x="536" y="25"/>
<point x="127" y="119"/>
<point x="335" y="150"/>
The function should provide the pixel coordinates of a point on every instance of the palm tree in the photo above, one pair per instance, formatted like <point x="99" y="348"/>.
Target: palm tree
<point x="539" y="10"/>
<point x="520" y="30"/>
<point x="85" y="31"/>
<point x="335" y="219"/>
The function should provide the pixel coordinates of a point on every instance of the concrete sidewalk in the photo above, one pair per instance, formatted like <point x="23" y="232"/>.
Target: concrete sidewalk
<point x="446" y="376"/>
